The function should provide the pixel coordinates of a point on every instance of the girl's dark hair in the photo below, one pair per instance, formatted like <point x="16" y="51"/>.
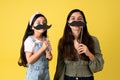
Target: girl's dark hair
<point x="66" y="45"/>
<point x="22" y="60"/>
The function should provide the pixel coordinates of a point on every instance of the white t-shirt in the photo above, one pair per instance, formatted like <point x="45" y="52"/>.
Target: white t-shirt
<point x="29" y="44"/>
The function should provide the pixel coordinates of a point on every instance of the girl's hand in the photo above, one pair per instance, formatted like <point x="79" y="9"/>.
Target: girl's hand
<point x="48" y="54"/>
<point x="49" y="45"/>
<point x="45" y="45"/>
<point x="48" y="50"/>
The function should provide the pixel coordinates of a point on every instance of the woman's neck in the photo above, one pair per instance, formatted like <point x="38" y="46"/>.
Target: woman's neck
<point x="76" y="34"/>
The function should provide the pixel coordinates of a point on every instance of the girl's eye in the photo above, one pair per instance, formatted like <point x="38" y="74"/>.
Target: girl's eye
<point x="44" y="22"/>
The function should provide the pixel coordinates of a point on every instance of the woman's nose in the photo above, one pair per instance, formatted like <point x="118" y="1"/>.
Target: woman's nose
<point x="76" y="20"/>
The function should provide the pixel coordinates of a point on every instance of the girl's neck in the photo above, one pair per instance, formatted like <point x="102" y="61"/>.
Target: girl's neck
<point x="39" y="37"/>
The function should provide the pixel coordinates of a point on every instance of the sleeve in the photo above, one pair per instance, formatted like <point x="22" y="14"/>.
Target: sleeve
<point x="60" y="68"/>
<point x="28" y="45"/>
<point x="98" y="63"/>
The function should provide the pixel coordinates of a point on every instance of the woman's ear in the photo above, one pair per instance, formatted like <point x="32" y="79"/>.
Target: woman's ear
<point x="68" y="21"/>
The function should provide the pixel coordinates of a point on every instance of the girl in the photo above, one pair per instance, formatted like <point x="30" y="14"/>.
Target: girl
<point x="79" y="54"/>
<point x="36" y="49"/>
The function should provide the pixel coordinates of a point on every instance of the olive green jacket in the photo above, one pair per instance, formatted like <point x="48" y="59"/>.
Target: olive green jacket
<point x="95" y="66"/>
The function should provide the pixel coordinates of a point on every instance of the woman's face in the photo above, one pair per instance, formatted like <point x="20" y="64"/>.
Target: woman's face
<point x="76" y="16"/>
<point x="39" y="20"/>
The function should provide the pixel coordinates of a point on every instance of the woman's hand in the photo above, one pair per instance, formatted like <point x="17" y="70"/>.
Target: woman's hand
<point x="81" y="48"/>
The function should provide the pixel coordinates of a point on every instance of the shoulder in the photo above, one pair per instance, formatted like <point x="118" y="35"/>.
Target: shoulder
<point x="29" y="39"/>
<point x="95" y="39"/>
<point x="96" y="42"/>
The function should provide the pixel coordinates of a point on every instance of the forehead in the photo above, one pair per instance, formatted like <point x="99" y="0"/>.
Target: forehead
<point x="41" y="18"/>
<point x="76" y="14"/>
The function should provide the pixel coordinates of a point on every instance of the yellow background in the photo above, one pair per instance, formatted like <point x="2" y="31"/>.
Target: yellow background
<point x="103" y="20"/>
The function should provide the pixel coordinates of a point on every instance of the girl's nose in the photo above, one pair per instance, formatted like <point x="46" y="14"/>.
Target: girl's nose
<point x="41" y="23"/>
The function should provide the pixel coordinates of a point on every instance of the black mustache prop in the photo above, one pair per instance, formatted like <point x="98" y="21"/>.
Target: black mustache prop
<point x="77" y="23"/>
<point x="44" y="26"/>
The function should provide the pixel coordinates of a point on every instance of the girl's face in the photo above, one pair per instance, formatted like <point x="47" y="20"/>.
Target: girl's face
<point x="39" y="20"/>
<point x="76" y="16"/>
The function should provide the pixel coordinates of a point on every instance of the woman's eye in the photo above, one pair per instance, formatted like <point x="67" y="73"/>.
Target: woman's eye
<point x="72" y="18"/>
<point x="80" y="19"/>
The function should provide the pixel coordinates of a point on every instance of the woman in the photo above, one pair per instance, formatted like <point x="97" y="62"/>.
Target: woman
<point x="36" y="49"/>
<point x="79" y="54"/>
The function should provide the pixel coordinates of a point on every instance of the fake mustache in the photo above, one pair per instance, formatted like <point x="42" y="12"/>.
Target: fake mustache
<point x="44" y="26"/>
<point x="77" y="23"/>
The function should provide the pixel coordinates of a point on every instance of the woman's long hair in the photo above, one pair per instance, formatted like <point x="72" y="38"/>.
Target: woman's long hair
<point x="22" y="60"/>
<point x="66" y="43"/>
